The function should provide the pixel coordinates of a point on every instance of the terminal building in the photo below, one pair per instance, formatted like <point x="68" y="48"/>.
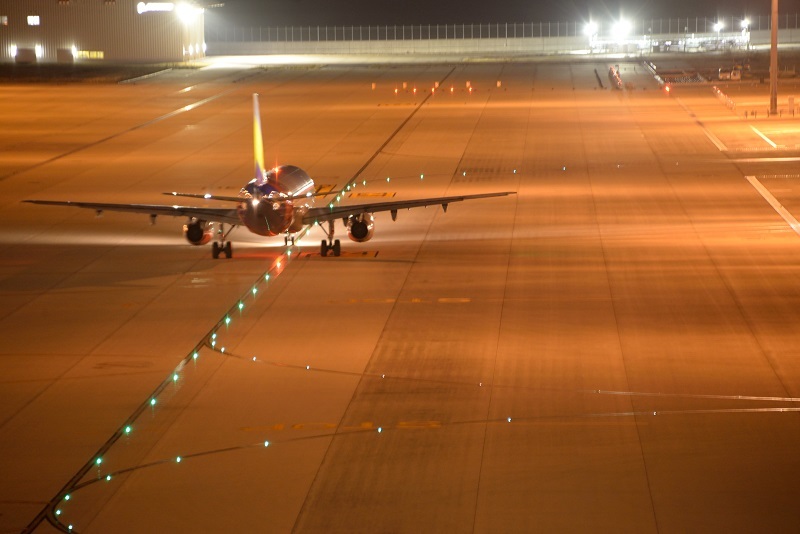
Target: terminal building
<point x="69" y="31"/>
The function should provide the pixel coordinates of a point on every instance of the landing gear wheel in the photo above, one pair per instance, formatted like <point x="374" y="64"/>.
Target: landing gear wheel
<point x="215" y="249"/>
<point x="323" y="248"/>
<point x="228" y="249"/>
<point x="337" y="248"/>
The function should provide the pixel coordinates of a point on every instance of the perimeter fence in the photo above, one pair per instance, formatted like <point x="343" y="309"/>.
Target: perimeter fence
<point x="602" y="29"/>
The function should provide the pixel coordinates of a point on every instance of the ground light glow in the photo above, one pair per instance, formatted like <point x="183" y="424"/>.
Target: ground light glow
<point x="53" y="510"/>
<point x="76" y="483"/>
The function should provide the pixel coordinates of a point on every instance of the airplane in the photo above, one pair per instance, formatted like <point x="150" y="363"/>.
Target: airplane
<point x="277" y="201"/>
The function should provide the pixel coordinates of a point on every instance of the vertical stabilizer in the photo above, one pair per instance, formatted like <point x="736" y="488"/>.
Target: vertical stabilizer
<point x="258" y="144"/>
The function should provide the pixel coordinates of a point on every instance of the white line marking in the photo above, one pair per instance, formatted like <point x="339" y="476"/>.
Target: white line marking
<point x="783" y="212"/>
<point x="764" y="137"/>
<point x="713" y="138"/>
<point x="766" y="160"/>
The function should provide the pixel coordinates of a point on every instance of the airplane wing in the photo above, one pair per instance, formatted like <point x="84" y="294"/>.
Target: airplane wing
<point x="329" y="213"/>
<point x="223" y="215"/>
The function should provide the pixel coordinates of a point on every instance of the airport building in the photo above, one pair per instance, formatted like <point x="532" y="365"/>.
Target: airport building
<point x="67" y="31"/>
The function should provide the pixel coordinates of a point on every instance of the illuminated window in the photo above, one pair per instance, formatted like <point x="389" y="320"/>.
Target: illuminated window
<point x="3" y="20"/>
<point x="87" y="54"/>
<point x="33" y="20"/>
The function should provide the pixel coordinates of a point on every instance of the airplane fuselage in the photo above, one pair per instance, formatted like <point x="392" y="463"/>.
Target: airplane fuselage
<point x="276" y="203"/>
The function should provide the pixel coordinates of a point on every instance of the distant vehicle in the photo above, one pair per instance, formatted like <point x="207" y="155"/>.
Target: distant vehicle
<point x="277" y="201"/>
<point x="734" y="74"/>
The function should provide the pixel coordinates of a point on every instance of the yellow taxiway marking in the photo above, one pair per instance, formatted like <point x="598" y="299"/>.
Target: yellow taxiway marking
<point x="365" y="425"/>
<point x="415" y="300"/>
<point x="344" y="254"/>
<point x="324" y="189"/>
<point x="385" y="194"/>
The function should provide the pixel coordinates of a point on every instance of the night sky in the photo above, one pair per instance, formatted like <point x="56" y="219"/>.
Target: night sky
<point x="389" y="12"/>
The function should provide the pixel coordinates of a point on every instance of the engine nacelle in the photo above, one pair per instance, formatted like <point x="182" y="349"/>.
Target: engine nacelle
<point x="198" y="232"/>
<point x="360" y="228"/>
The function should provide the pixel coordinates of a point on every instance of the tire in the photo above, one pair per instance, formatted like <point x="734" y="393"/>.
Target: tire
<point x="337" y="248"/>
<point x="215" y="250"/>
<point x="323" y="249"/>
<point x="228" y="249"/>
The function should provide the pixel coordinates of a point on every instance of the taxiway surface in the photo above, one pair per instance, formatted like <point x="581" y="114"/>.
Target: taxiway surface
<point x="612" y="349"/>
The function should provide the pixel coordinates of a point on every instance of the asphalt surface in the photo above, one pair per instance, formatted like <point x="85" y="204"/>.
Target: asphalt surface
<point x="613" y="348"/>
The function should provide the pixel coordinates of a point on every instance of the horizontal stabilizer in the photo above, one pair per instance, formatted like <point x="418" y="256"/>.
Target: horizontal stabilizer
<point x="209" y="196"/>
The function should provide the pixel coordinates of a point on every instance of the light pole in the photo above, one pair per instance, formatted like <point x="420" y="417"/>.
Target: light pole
<point x="746" y="32"/>
<point x="718" y="28"/>
<point x="590" y="30"/>
<point x="773" y="61"/>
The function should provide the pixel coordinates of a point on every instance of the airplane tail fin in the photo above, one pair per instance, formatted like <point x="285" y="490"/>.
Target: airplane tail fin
<point x="258" y="144"/>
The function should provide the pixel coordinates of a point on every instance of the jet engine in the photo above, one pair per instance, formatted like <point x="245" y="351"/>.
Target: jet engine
<point x="360" y="227"/>
<point x="198" y="232"/>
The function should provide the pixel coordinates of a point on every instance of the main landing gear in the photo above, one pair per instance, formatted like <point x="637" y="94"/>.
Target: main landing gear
<point x="330" y="244"/>
<point x="288" y="239"/>
<point x="222" y="246"/>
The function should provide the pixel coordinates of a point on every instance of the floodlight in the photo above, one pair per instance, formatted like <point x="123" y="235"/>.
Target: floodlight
<point x="621" y="28"/>
<point x="187" y="13"/>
